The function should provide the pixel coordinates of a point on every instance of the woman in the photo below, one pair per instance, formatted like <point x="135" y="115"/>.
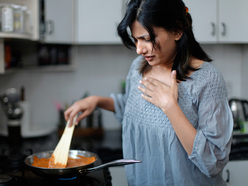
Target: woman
<point x="175" y="114"/>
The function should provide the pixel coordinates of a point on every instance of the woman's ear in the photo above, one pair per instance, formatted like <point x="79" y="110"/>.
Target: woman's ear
<point x="178" y="35"/>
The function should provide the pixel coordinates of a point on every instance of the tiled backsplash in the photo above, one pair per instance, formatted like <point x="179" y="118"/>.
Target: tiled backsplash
<point x="100" y="70"/>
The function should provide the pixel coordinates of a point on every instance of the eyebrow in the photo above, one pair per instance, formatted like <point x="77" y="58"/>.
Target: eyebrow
<point x="141" y="37"/>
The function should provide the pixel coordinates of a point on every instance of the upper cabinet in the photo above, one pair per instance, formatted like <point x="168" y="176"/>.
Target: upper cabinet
<point x="233" y="18"/>
<point x="97" y="20"/>
<point x="204" y="17"/>
<point x="57" y="21"/>
<point x="219" y="21"/>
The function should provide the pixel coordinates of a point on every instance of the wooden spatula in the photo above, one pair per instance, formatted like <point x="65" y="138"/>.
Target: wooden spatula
<point x="60" y="155"/>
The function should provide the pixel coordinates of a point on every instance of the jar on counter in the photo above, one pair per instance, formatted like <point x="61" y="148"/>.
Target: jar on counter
<point x="18" y="12"/>
<point x="0" y="17"/>
<point x="7" y="18"/>
<point x="28" y="28"/>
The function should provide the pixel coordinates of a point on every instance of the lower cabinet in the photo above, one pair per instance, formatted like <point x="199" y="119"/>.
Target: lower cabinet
<point x="236" y="173"/>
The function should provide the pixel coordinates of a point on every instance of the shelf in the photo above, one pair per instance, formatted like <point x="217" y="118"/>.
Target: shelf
<point x="13" y="35"/>
<point x="33" y="7"/>
<point x="32" y="63"/>
<point x="50" y="68"/>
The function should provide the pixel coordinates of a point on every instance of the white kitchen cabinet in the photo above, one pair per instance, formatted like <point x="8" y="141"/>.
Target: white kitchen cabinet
<point x="233" y="21"/>
<point x="97" y="21"/>
<point x="219" y="21"/>
<point x="236" y="173"/>
<point x="204" y="17"/>
<point x="59" y="16"/>
<point x="118" y="175"/>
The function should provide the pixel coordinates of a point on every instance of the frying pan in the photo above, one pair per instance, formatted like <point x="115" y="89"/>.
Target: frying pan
<point x="72" y="171"/>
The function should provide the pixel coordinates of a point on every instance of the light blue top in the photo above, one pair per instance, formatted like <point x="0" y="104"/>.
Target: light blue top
<point x="148" y="135"/>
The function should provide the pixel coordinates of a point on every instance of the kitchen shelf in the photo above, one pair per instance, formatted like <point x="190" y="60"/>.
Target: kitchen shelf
<point x="32" y="64"/>
<point x="13" y="35"/>
<point x="48" y="68"/>
<point x="33" y="7"/>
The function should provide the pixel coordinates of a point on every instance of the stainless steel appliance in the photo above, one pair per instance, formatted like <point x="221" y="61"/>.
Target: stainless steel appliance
<point x="239" y="108"/>
<point x="13" y="105"/>
<point x="239" y="150"/>
<point x="14" y="112"/>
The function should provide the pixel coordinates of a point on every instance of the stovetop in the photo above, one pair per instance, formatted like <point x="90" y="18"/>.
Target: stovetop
<point x="100" y="178"/>
<point x="13" y="170"/>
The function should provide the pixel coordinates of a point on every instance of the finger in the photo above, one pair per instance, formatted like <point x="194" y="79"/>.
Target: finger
<point x="147" y="84"/>
<point x="151" y="81"/>
<point x="71" y="117"/>
<point x="67" y="113"/>
<point x="145" y="90"/>
<point x="174" y="81"/>
<point x="83" y="115"/>
<point x="173" y="78"/>
<point x="147" y="98"/>
<point x="154" y="81"/>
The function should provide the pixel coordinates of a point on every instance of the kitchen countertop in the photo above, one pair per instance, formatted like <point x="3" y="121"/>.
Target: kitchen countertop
<point x="239" y="149"/>
<point x="108" y="146"/>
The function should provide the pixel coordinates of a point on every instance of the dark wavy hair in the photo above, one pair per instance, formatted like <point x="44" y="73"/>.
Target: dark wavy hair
<point x="173" y="17"/>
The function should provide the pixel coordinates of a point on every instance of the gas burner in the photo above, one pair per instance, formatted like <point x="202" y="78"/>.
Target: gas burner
<point x="82" y="181"/>
<point x="7" y="180"/>
<point x="12" y="162"/>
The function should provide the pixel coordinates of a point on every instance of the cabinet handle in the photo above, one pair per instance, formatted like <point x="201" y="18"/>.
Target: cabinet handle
<point x="213" y="29"/>
<point x="223" y="33"/>
<point x="51" y="24"/>
<point x="228" y="176"/>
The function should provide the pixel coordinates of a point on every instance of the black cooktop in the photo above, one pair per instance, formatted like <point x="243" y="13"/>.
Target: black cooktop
<point x="13" y="170"/>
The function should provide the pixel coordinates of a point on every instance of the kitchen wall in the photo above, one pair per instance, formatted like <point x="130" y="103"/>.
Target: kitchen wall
<point x="99" y="71"/>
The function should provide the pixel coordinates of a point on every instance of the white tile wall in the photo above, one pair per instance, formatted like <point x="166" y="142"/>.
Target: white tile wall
<point x="100" y="70"/>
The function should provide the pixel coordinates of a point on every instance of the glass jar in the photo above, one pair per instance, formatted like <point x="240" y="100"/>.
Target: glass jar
<point x="18" y="18"/>
<point x="7" y="18"/>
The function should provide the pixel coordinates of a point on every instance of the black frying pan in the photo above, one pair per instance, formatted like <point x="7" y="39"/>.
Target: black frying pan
<point x="73" y="171"/>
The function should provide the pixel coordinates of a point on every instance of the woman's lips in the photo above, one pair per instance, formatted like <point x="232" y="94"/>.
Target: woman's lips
<point x="149" y="58"/>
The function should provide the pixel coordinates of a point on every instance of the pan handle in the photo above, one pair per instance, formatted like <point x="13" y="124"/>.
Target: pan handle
<point x="115" y="163"/>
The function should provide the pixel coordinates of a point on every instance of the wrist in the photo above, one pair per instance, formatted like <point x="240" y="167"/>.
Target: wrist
<point x="96" y="100"/>
<point x="171" y="108"/>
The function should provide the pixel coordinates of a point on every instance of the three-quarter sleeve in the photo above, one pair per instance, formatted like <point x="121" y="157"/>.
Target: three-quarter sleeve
<point x="212" y="143"/>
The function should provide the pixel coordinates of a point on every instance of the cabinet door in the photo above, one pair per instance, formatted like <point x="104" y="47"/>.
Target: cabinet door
<point x="235" y="173"/>
<point x="97" y="21"/>
<point x="233" y="22"/>
<point x="204" y="15"/>
<point x="59" y="21"/>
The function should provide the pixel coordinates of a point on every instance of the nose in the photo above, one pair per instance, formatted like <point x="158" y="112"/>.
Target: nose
<point x="140" y="48"/>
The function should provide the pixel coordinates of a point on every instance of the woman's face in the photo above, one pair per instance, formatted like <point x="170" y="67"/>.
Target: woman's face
<point x="162" y="55"/>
